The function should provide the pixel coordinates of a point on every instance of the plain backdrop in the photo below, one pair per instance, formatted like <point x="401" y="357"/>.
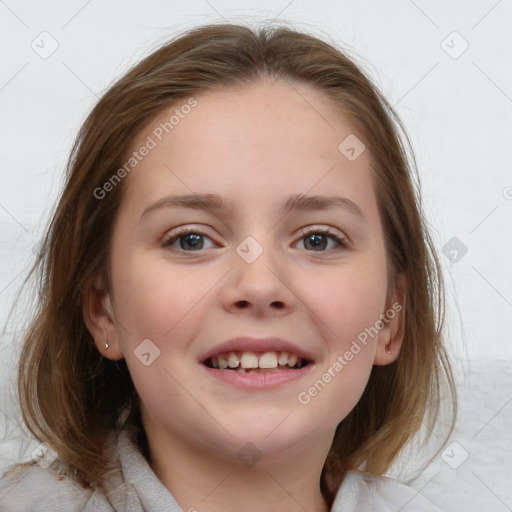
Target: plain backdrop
<point x="444" y="66"/>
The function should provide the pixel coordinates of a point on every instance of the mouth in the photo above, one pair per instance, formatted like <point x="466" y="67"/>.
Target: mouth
<point x="254" y="362"/>
<point x="257" y="363"/>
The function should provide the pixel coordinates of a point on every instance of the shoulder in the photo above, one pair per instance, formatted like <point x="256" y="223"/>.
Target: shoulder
<point x="29" y="487"/>
<point x="364" y="493"/>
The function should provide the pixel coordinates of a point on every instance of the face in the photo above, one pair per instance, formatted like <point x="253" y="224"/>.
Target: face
<point x="275" y="245"/>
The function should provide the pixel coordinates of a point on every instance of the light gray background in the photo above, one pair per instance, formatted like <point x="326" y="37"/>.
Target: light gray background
<point x="457" y="109"/>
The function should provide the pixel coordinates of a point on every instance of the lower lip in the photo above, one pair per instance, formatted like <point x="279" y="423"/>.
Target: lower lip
<point x="257" y="380"/>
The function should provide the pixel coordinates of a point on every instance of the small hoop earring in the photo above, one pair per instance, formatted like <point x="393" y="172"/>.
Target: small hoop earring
<point x="106" y="344"/>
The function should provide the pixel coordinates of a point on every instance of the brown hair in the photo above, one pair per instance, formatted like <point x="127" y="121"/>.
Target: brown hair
<point x="72" y="397"/>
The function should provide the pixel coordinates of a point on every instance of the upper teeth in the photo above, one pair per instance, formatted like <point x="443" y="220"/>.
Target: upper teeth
<point x="252" y="360"/>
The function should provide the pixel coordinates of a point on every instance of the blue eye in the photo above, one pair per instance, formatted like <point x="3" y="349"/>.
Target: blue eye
<point x="320" y="240"/>
<point x="188" y="241"/>
<point x="313" y="239"/>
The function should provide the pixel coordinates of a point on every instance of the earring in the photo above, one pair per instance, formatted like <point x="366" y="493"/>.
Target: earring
<point x="388" y="348"/>
<point x="106" y="344"/>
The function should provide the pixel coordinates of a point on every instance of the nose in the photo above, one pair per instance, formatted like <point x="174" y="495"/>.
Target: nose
<point x="260" y="288"/>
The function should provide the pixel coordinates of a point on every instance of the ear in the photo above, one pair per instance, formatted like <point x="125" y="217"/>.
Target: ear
<point x="390" y="338"/>
<point x="98" y="315"/>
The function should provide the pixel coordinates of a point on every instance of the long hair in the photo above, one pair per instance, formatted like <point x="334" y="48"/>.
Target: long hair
<point x="72" y="397"/>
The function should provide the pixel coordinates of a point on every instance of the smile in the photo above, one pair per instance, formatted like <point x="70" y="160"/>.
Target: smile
<point x="257" y="363"/>
<point x="253" y="362"/>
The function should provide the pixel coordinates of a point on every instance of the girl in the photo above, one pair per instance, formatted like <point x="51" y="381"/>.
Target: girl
<point x="240" y="306"/>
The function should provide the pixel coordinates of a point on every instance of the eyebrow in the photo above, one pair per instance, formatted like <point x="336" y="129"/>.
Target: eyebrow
<point x="296" y="202"/>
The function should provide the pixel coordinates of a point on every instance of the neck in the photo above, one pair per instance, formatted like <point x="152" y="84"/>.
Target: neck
<point x="203" y="481"/>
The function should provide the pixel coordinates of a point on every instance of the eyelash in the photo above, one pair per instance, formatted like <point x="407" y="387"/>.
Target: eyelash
<point x="341" y="241"/>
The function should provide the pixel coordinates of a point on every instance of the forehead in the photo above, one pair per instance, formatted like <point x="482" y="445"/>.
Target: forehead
<point x="251" y="142"/>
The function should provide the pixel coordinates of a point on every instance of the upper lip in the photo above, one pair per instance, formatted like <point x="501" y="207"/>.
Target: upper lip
<point x="247" y="344"/>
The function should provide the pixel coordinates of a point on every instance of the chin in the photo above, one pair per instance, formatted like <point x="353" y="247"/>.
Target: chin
<point x="271" y="434"/>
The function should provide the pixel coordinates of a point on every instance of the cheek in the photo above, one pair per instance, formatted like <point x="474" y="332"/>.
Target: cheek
<point x="337" y="389"/>
<point x="155" y="299"/>
<point x="347" y="301"/>
<point x="347" y="304"/>
<point x="166" y="305"/>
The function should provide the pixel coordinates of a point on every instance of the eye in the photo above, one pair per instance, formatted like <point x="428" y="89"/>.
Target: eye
<point x="321" y="240"/>
<point x="313" y="239"/>
<point x="188" y="240"/>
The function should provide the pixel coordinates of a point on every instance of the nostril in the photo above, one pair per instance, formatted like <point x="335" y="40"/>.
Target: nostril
<point x="277" y="304"/>
<point x="242" y="304"/>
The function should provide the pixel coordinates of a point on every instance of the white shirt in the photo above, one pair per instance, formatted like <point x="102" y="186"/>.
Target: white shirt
<point x="134" y="487"/>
